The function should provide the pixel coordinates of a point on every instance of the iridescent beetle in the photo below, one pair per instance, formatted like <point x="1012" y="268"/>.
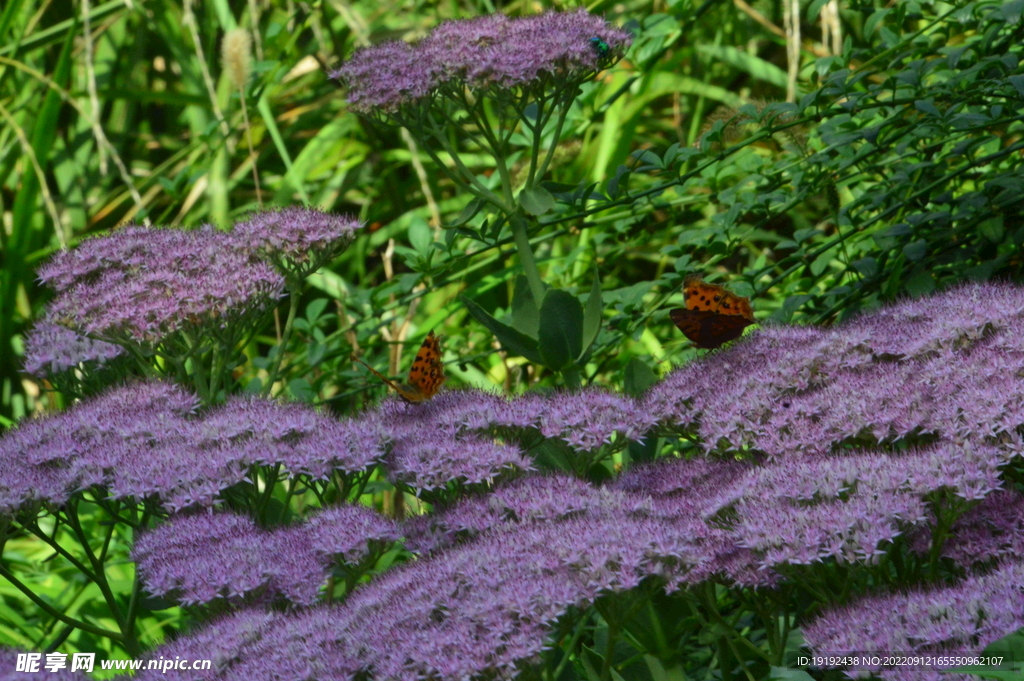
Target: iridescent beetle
<point x="602" y="48"/>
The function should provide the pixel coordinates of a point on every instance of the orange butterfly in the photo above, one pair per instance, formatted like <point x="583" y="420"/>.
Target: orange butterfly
<point x="426" y="375"/>
<point x="713" y="316"/>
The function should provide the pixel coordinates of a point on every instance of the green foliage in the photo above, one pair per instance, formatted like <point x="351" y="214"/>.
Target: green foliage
<point x="899" y="171"/>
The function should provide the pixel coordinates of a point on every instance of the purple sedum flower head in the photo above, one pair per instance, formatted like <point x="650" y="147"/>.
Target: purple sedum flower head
<point x="348" y="532"/>
<point x="298" y="240"/>
<point x="304" y="441"/>
<point x="532" y="499"/>
<point x="50" y="458"/>
<point x="207" y="556"/>
<point x="593" y="418"/>
<point x="959" y="619"/>
<point x="490" y="52"/>
<point x="487" y="607"/>
<point x="204" y="557"/>
<point x="224" y="642"/>
<point x="146" y="440"/>
<point x="434" y="460"/>
<point x="932" y="368"/>
<point x="140" y="285"/>
<point x="52" y="349"/>
<point x="454" y="411"/>
<point x="993" y="530"/>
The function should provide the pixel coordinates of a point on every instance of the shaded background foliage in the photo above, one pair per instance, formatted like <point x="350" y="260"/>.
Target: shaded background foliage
<point x="896" y="169"/>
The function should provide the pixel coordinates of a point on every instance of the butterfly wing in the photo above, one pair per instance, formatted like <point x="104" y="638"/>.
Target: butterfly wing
<point x="720" y="328"/>
<point x="427" y="374"/>
<point x="702" y="296"/>
<point x="690" y="322"/>
<point x="708" y="330"/>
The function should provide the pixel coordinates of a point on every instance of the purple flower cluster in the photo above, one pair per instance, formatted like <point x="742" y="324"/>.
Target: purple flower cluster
<point x="592" y="419"/>
<point x="451" y="437"/>
<point x="298" y="240"/>
<point x="485" y="606"/>
<point x="991" y="531"/>
<point x="139" y="285"/>
<point x="487" y="52"/>
<point x="432" y="447"/>
<point x="959" y="619"/>
<point x="941" y="368"/>
<point x="200" y="558"/>
<point x="52" y="349"/>
<point x="206" y="556"/>
<point x="145" y="440"/>
<point x="838" y="443"/>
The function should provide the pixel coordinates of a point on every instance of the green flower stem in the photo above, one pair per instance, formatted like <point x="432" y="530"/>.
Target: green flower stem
<point x="217" y="361"/>
<point x="536" y="129"/>
<point x="52" y="543"/>
<point x="199" y="377"/>
<point x="98" y="568"/>
<point x="53" y="612"/>
<point x="529" y="263"/>
<point x="571" y="376"/>
<point x="497" y="151"/>
<point x="127" y="638"/>
<point x="471" y="184"/>
<point x="294" y="290"/>
<point x="576" y="634"/>
<point x="269" y="483"/>
<point x="469" y="178"/>
<point x="563" y="112"/>
<point x="131" y="639"/>
<point x="609" y="650"/>
<point x="711" y="602"/>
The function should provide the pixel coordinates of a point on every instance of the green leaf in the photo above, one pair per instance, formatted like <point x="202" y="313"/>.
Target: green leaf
<point x="525" y="311"/>
<point x="915" y="250"/>
<point x="638" y="378"/>
<point x="814" y="9"/>
<point x="315" y="308"/>
<point x="928" y="107"/>
<point x="420" y="236"/>
<point x="561" y="329"/>
<point x="467" y="214"/>
<point x="821" y="263"/>
<point x="536" y="200"/>
<point x="789" y="306"/>
<point x="868" y="267"/>
<point x="876" y="17"/>
<point x="592" y="315"/>
<point x="1018" y="83"/>
<point x="921" y="283"/>
<point x="1012" y="11"/>
<point x="316" y="352"/>
<point x="511" y="340"/>
<point x="992" y="229"/>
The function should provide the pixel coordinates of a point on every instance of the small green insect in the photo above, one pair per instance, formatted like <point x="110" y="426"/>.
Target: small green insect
<point x="602" y="48"/>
